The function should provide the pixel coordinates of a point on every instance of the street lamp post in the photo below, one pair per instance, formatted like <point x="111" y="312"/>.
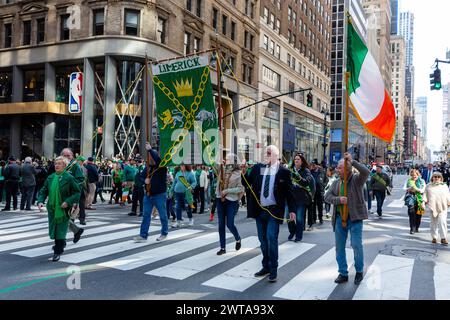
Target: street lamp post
<point x="324" y="144"/>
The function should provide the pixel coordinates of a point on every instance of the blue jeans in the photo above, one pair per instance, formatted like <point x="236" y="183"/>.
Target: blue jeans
<point x="341" y="235"/>
<point x="268" y="230"/>
<point x="299" y="222"/>
<point x="227" y="210"/>
<point x="158" y="201"/>
<point x="180" y="200"/>
<point x="380" y="196"/>
<point x="369" y="200"/>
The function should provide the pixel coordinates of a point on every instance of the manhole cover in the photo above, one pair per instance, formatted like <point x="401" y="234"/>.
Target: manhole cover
<point x="416" y="253"/>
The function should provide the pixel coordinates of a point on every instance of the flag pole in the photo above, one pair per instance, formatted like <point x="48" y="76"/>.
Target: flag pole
<point x="347" y="104"/>
<point x="147" y="126"/>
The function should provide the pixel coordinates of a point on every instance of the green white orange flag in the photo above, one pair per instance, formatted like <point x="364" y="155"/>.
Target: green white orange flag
<point x="369" y="98"/>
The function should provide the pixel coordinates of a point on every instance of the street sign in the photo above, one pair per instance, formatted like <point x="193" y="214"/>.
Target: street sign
<point x="75" y="92"/>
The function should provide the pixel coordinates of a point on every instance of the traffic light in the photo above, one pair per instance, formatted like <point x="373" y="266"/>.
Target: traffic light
<point x="309" y="100"/>
<point x="435" y="80"/>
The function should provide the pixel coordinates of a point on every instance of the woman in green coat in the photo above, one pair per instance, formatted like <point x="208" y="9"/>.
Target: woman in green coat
<point x="63" y="193"/>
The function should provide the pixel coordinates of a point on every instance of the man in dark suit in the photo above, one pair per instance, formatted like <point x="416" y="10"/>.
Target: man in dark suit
<point x="427" y="173"/>
<point x="272" y="187"/>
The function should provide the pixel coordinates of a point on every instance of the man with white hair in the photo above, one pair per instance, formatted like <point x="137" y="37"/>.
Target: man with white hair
<point x="28" y="173"/>
<point x="353" y="221"/>
<point x="272" y="189"/>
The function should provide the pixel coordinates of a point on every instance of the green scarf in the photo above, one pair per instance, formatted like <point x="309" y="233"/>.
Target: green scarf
<point x="54" y="199"/>
<point x="417" y="184"/>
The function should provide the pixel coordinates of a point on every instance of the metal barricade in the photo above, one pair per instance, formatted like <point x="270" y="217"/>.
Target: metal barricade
<point x="107" y="182"/>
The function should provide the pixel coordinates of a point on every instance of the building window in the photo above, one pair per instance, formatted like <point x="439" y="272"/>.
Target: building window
<point x="8" y="35"/>
<point x="64" y="31"/>
<point x="5" y="87"/>
<point x="40" y="30"/>
<point x="161" y="30"/>
<point x="199" y="8"/>
<point x="26" y="33"/>
<point x="266" y="42"/>
<point x="233" y="30"/>
<point x="272" y="47"/>
<point x="197" y="44"/>
<point x="277" y="52"/>
<point x="189" y="5"/>
<point x="187" y="43"/>
<point x="224" y="24"/>
<point x="99" y="22"/>
<point x="252" y="39"/>
<point x="266" y="15"/>
<point x="249" y="75"/>
<point x="215" y="17"/>
<point x="131" y="22"/>
<point x="34" y="85"/>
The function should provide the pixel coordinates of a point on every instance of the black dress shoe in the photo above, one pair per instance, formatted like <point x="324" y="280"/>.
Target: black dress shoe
<point x="261" y="273"/>
<point x="341" y="279"/>
<point x="132" y="214"/>
<point x="56" y="257"/>
<point x="221" y="252"/>
<point x="298" y="240"/>
<point x="358" y="278"/>
<point x="238" y="245"/>
<point x="417" y="230"/>
<point x="83" y="223"/>
<point x="6" y="209"/>
<point x="273" y="277"/>
<point x="77" y="235"/>
<point x="411" y="231"/>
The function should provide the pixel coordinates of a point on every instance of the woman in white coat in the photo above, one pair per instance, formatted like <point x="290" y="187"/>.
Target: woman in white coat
<point x="437" y="198"/>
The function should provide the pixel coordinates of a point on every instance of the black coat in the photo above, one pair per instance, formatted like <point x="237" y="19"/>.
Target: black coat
<point x="282" y="192"/>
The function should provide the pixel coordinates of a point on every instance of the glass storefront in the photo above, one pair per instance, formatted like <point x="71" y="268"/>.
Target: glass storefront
<point x="67" y="133"/>
<point x="270" y="124"/>
<point x="32" y="127"/>
<point x="308" y="136"/>
<point x="5" y="87"/>
<point x="34" y="83"/>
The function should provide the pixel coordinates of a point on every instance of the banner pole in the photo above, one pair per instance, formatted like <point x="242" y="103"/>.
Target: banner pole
<point x="147" y="127"/>
<point x="347" y="102"/>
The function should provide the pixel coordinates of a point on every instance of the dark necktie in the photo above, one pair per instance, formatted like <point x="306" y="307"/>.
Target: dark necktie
<point x="267" y="184"/>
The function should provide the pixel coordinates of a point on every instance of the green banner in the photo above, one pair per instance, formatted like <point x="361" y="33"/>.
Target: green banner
<point x="187" y="117"/>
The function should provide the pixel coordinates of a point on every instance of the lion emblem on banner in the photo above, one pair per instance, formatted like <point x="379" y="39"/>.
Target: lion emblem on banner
<point x="173" y="118"/>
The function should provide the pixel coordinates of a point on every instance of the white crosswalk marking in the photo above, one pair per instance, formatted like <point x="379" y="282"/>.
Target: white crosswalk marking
<point x="387" y="278"/>
<point x="442" y="281"/>
<point x="150" y="256"/>
<point x="23" y="235"/>
<point x="22" y="223"/>
<point x="23" y="229"/>
<point x="88" y="241"/>
<point x="316" y="282"/>
<point x="38" y="241"/>
<point x="118" y="247"/>
<point x="242" y="277"/>
<point x="7" y="220"/>
<point x="188" y="267"/>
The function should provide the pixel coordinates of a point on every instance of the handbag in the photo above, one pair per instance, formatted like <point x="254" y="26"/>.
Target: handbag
<point x="74" y="212"/>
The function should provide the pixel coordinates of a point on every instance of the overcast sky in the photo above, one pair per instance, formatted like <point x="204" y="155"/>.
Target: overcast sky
<point x="431" y="41"/>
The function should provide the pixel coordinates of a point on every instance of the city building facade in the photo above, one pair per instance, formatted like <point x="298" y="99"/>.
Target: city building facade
<point x="295" y="49"/>
<point x="398" y="56"/>
<point x="43" y="42"/>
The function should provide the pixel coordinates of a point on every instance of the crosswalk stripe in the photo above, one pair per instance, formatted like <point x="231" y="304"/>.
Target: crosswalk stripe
<point x="441" y="281"/>
<point x="387" y="278"/>
<point x="37" y="241"/>
<point x="316" y="282"/>
<point x="3" y="221"/>
<point x="389" y="225"/>
<point x="188" y="267"/>
<point x="23" y="235"/>
<point x="160" y="253"/>
<point x="84" y="242"/>
<point x="118" y="247"/>
<point x="23" y="223"/>
<point x="23" y="229"/>
<point x="241" y="277"/>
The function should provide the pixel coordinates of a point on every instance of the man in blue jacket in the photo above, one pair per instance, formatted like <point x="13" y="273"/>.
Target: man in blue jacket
<point x="155" y="195"/>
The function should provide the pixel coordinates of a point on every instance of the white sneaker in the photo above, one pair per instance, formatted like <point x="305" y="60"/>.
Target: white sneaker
<point x="161" y="238"/>
<point x="156" y="217"/>
<point x="139" y="239"/>
<point x="191" y="221"/>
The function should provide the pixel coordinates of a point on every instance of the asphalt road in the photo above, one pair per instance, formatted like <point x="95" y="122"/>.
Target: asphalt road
<point x="106" y="264"/>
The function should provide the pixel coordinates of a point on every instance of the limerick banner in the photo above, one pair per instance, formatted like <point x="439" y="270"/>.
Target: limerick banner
<point x="187" y="117"/>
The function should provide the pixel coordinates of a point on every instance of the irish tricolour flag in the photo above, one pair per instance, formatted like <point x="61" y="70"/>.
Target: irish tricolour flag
<point x="369" y="98"/>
